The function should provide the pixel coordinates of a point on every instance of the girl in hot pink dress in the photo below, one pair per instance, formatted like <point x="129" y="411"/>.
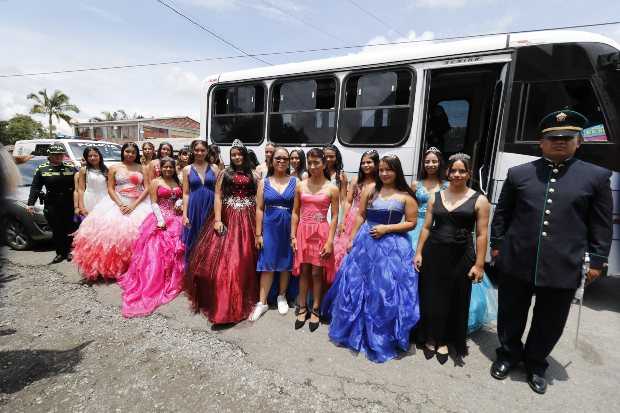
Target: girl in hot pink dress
<point x="102" y="244"/>
<point x="366" y="177"/>
<point x="155" y="274"/>
<point x="312" y="236"/>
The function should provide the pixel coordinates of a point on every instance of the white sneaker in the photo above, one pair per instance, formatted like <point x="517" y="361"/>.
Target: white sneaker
<point x="282" y="305"/>
<point x="259" y="310"/>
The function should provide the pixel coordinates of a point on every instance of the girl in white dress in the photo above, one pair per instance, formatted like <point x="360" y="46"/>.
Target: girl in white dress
<point x="92" y="181"/>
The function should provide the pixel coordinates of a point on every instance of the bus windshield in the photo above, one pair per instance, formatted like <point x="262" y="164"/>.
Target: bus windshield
<point x="111" y="152"/>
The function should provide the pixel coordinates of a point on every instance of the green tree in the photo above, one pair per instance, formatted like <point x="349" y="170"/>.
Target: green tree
<point x="20" y="127"/>
<point x="118" y="114"/>
<point x="56" y="105"/>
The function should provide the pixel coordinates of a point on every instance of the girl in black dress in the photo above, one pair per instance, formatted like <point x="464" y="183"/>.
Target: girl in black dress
<point x="448" y="262"/>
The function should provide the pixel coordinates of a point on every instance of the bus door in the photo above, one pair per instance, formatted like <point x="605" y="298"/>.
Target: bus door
<point x="461" y="115"/>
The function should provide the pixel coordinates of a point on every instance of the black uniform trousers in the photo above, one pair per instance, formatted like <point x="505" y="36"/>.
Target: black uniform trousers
<point x="548" y="320"/>
<point x="59" y="215"/>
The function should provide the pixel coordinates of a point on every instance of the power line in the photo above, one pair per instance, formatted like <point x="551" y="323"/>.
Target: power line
<point x="375" y="17"/>
<point x="304" y="22"/>
<point x="211" y="32"/>
<point x="292" y="52"/>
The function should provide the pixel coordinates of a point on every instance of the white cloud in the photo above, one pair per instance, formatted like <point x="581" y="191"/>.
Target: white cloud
<point x="183" y="81"/>
<point x="219" y="5"/>
<point x="412" y="36"/>
<point x="104" y="14"/>
<point x="11" y="105"/>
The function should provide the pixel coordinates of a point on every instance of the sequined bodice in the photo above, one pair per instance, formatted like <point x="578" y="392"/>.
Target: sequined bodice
<point x="314" y="207"/>
<point x="385" y="211"/>
<point x="166" y="198"/>
<point x="422" y="196"/>
<point x="129" y="184"/>
<point x="242" y="192"/>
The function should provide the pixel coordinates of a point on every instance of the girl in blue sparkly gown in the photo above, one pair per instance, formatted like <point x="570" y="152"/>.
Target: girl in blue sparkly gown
<point x="198" y="193"/>
<point x="373" y="303"/>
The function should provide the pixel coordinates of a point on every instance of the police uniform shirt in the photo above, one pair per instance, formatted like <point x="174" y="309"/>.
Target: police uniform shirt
<point x="548" y="216"/>
<point x="57" y="179"/>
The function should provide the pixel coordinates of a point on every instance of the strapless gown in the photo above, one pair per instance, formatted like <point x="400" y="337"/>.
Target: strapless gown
<point x="102" y="244"/>
<point x="155" y="274"/>
<point x="373" y="304"/>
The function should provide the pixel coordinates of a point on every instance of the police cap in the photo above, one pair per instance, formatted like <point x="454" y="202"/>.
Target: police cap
<point x="562" y="124"/>
<point x="56" y="149"/>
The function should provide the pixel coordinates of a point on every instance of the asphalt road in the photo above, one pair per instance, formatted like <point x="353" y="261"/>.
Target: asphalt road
<point x="64" y="347"/>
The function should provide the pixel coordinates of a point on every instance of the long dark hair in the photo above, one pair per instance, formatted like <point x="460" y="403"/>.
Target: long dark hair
<point x="168" y="159"/>
<point x="338" y="166"/>
<point x="271" y="167"/>
<point x="245" y="168"/>
<point x="301" y="168"/>
<point x="143" y="158"/>
<point x="374" y="155"/>
<point x="135" y="148"/>
<point x="400" y="182"/>
<point x="213" y="154"/>
<point x="102" y="167"/>
<point x="318" y="153"/>
<point x="252" y="158"/>
<point x="161" y="145"/>
<point x="441" y="170"/>
<point x="456" y="158"/>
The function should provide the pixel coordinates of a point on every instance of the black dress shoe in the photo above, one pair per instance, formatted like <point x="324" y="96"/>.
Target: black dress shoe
<point x="69" y="257"/>
<point x="300" y="323"/>
<point x="313" y="326"/>
<point x="58" y="258"/>
<point x="500" y="369"/>
<point x="537" y="383"/>
<point x="428" y="353"/>
<point x="442" y="358"/>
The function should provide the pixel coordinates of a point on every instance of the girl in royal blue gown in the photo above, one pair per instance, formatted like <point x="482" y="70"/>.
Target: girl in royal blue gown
<point x="373" y="303"/>
<point x="198" y="193"/>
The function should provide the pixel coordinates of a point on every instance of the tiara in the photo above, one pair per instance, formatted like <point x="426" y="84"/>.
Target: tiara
<point x="237" y="144"/>
<point x="390" y="155"/>
<point x="370" y="152"/>
<point x="433" y="150"/>
<point x="459" y="157"/>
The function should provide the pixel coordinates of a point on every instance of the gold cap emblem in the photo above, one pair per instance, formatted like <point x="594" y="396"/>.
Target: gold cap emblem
<point x="561" y="117"/>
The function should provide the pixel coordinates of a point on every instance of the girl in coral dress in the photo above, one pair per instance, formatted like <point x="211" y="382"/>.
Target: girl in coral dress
<point x="366" y="176"/>
<point x="312" y="235"/>
<point x="155" y="274"/>
<point x="102" y="244"/>
<point x="222" y="282"/>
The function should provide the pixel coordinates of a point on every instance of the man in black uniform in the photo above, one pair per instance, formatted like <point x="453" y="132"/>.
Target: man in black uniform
<point x="57" y="178"/>
<point x="550" y="213"/>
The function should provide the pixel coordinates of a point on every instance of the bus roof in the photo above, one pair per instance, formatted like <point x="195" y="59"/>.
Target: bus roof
<point x="406" y="52"/>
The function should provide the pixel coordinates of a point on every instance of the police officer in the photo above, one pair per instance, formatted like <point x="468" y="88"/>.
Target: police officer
<point x="57" y="178"/>
<point x="550" y="213"/>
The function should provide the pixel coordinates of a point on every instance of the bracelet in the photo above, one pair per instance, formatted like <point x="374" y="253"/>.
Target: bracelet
<point x="293" y="238"/>
<point x="259" y="235"/>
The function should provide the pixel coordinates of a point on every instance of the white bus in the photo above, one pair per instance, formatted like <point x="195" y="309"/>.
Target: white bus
<point x="482" y="96"/>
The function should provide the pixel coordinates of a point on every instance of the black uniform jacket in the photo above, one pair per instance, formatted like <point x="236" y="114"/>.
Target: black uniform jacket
<point x="58" y="182"/>
<point x="548" y="216"/>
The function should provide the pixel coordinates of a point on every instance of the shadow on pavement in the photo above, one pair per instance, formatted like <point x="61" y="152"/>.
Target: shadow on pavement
<point x="603" y="295"/>
<point x="487" y="342"/>
<point x="19" y="368"/>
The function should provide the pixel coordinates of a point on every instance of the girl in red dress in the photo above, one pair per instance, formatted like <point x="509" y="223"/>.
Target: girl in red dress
<point x="222" y="282"/>
<point x="312" y="235"/>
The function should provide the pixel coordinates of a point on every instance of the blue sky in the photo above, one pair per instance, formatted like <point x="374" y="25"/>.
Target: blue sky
<point x="44" y="35"/>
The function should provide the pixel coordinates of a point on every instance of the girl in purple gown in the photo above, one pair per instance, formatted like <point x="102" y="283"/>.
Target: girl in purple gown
<point x="155" y="274"/>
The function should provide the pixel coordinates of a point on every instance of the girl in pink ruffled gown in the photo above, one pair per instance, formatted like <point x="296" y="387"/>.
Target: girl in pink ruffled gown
<point x="312" y="236"/>
<point x="102" y="244"/>
<point x="155" y="274"/>
<point x="366" y="177"/>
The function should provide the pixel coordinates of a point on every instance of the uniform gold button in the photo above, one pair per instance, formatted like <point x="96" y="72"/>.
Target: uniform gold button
<point x="546" y="223"/>
<point x="547" y="212"/>
<point x="550" y="201"/>
<point x="544" y="234"/>
<point x="553" y="179"/>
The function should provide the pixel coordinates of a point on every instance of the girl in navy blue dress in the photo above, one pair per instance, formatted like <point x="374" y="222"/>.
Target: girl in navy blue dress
<point x="274" y="204"/>
<point x="198" y="193"/>
<point x="373" y="304"/>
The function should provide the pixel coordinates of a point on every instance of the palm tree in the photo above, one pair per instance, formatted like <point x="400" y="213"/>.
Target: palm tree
<point x="56" y="105"/>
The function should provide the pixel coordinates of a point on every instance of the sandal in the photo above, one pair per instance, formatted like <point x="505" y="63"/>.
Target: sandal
<point x="314" y="326"/>
<point x="303" y="311"/>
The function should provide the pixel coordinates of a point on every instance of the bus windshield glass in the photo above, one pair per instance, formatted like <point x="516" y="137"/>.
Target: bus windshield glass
<point x="238" y="113"/>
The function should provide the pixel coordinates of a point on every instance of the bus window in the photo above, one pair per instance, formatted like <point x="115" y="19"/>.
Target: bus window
<point x="303" y="112"/>
<point x="377" y="108"/>
<point x="447" y="124"/>
<point x="238" y="113"/>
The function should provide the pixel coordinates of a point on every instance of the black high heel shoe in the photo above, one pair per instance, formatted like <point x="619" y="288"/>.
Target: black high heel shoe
<point x="428" y="353"/>
<point x="303" y="311"/>
<point x="313" y="326"/>
<point x="442" y="358"/>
